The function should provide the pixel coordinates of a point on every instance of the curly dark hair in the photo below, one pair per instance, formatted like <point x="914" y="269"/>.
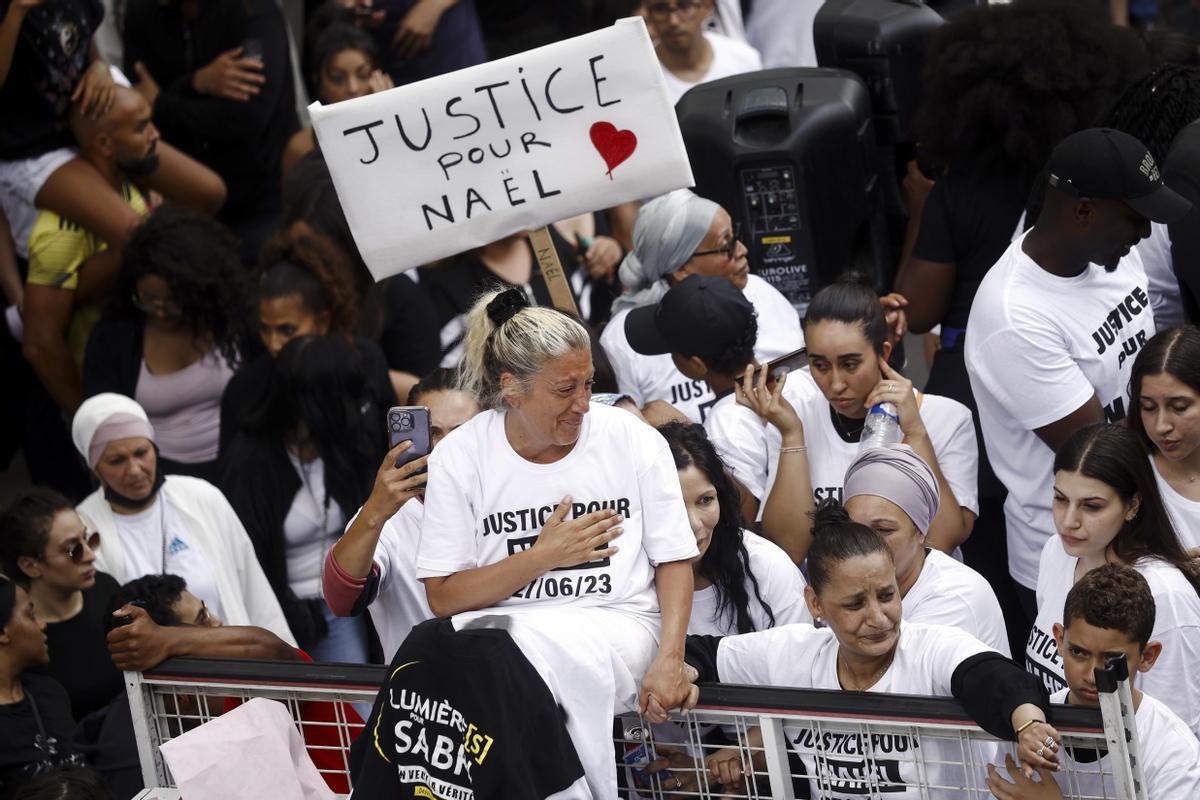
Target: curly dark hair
<point x="1005" y="83"/>
<point x="726" y="562"/>
<point x="1116" y="597"/>
<point x="1115" y="456"/>
<point x="198" y="258"/>
<point x="301" y="261"/>
<point x="336" y="38"/>
<point x="158" y="594"/>
<point x="1157" y="106"/>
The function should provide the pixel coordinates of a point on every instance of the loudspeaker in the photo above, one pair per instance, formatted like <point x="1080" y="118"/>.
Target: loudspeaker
<point x="790" y="154"/>
<point x="883" y="42"/>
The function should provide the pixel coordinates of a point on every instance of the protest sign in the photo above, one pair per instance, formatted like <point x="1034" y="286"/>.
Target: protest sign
<point x="434" y="168"/>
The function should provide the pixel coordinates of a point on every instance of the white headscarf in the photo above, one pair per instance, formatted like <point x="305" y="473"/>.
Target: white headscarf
<point x="668" y="229"/>
<point x="106" y="418"/>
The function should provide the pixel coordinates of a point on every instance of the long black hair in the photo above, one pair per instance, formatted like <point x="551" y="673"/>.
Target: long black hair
<point x="851" y="300"/>
<point x="198" y="258"/>
<point x="1114" y="455"/>
<point x="837" y="538"/>
<point x="319" y="383"/>
<point x="726" y="562"/>
<point x="1174" y="352"/>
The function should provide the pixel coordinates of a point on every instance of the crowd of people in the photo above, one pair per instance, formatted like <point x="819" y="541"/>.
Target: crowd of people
<point x="201" y="367"/>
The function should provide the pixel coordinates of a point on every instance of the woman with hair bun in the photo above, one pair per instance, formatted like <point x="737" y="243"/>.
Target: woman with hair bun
<point x="567" y="520"/>
<point x="1107" y="510"/>
<point x="1166" y="386"/>
<point x="815" y="429"/>
<point x="864" y="646"/>
<point x="305" y="287"/>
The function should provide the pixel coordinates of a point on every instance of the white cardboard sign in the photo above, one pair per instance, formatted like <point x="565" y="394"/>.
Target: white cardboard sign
<point x="434" y="168"/>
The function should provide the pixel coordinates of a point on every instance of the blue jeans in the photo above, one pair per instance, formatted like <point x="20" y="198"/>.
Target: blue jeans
<point x="346" y="642"/>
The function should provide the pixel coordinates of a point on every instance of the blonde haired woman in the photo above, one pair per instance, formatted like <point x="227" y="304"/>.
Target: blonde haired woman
<point x="566" y="519"/>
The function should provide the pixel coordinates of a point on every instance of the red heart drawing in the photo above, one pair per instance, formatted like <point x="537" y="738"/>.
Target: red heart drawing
<point x="613" y="145"/>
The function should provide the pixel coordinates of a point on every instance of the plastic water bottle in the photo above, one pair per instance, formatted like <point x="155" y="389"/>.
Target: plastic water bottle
<point x="881" y="427"/>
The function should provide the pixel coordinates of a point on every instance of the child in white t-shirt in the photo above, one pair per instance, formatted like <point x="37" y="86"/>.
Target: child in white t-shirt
<point x="1110" y="612"/>
<point x="676" y="235"/>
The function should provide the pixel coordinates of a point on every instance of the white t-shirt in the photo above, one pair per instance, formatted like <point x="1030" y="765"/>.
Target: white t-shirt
<point x="485" y="503"/>
<point x="1176" y="626"/>
<point x="948" y="592"/>
<point x="948" y="422"/>
<point x="1185" y="513"/>
<point x="157" y="542"/>
<point x="1170" y="757"/>
<point x="730" y="57"/>
<point x="646" y="378"/>
<point x="805" y="657"/>
<point x="310" y="528"/>
<point x="780" y="583"/>
<point x="740" y="437"/>
<point x="1038" y="347"/>
<point x="782" y="30"/>
<point x="1162" y="283"/>
<point x="401" y="602"/>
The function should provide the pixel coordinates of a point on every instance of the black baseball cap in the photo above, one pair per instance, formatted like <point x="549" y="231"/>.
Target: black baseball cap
<point x="699" y="316"/>
<point x="1108" y="164"/>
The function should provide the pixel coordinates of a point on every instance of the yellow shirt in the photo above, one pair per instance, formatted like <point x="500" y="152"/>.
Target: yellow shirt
<point x="58" y="248"/>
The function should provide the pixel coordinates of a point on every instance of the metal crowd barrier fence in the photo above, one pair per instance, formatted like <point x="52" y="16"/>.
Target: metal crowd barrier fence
<point x="851" y="745"/>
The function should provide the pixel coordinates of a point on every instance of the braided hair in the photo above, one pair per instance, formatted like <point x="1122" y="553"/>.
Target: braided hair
<point x="1157" y="106"/>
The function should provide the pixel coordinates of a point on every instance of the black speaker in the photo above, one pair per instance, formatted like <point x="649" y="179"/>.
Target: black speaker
<point x="790" y="154"/>
<point x="883" y="42"/>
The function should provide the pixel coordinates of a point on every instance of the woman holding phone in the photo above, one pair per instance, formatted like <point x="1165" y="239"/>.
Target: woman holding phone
<point x="816" y="423"/>
<point x="303" y="463"/>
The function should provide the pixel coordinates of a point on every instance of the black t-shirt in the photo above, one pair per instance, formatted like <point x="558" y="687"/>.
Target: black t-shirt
<point x="968" y="222"/>
<point x="463" y="714"/>
<point x="79" y="657"/>
<point x="241" y="141"/>
<point x="1181" y="171"/>
<point x="410" y="327"/>
<point x="35" y="734"/>
<point x="50" y="57"/>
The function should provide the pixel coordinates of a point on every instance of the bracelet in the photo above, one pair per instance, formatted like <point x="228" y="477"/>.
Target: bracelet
<point x="800" y="449"/>
<point x="1027" y="724"/>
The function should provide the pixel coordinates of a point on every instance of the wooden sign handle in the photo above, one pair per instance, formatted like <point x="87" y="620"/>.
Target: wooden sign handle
<point x="552" y="271"/>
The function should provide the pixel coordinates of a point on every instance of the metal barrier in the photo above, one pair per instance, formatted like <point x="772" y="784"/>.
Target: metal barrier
<point x="794" y="743"/>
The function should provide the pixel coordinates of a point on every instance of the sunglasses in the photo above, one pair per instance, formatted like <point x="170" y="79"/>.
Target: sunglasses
<point x="75" y="550"/>
<point x="727" y="249"/>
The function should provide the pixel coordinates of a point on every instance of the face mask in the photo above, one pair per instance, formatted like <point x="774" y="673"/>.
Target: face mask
<point x="113" y="496"/>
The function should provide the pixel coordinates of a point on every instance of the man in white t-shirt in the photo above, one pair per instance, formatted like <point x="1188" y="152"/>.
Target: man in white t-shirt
<point x="1058" y="320"/>
<point x="688" y="54"/>
<point x="1110" y="613"/>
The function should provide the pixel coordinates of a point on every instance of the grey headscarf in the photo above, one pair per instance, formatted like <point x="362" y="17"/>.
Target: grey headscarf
<point x="667" y="231"/>
<point x="897" y="474"/>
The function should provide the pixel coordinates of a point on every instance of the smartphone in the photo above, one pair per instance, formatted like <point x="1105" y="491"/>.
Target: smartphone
<point x="409" y="424"/>
<point x="789" y="362"/>
<point x="252" y="48"/>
